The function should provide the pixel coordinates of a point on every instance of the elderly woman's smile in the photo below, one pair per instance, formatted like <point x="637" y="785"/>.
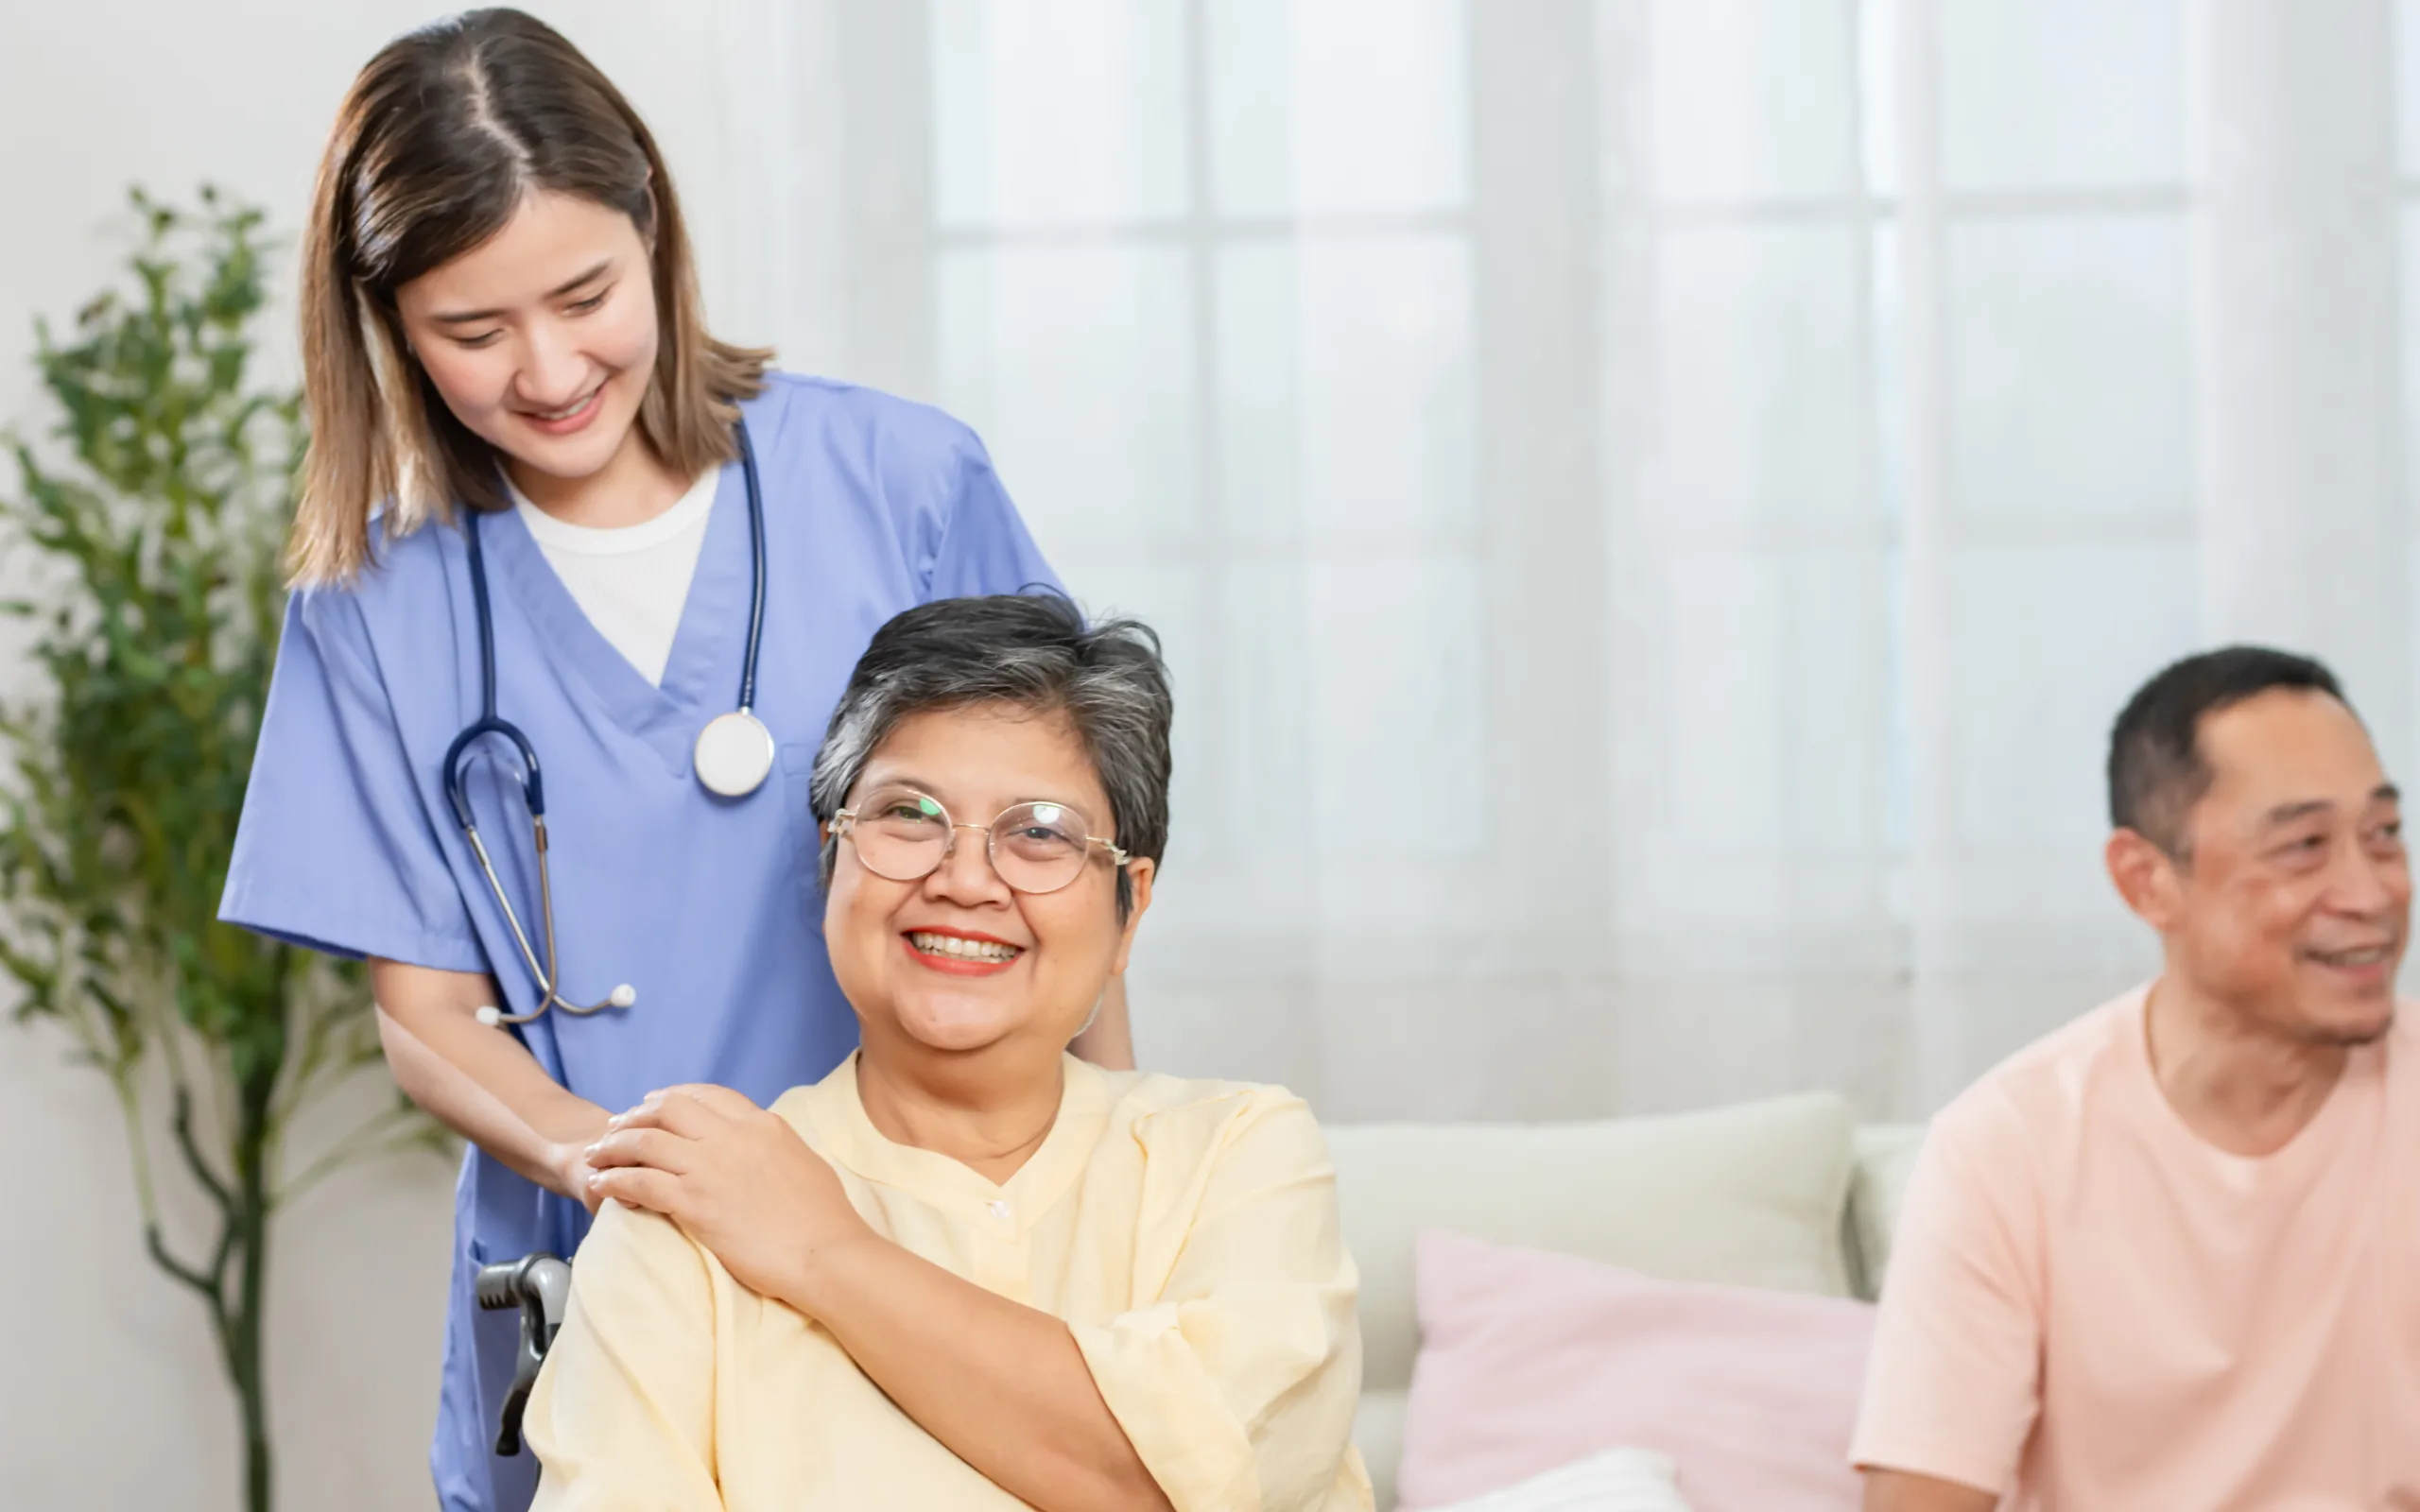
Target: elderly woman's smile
<point x="962" y="952"/>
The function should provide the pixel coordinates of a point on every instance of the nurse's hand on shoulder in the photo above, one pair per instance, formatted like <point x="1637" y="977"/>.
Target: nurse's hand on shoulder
<point x="568" y="1160"/>
<point x="737" y="1179"/>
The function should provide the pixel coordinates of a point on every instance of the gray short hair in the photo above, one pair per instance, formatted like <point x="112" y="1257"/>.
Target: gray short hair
<point x="1032" y="651"/>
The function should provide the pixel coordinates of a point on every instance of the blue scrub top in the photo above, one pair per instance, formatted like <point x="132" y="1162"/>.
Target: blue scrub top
<point x="708" y="906"/>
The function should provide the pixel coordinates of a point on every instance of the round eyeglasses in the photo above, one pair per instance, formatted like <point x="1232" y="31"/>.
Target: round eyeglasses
<point x="905" y="836"/>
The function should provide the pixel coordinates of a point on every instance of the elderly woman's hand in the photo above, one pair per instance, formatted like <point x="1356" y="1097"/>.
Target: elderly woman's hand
<point x="737" y="1179"/>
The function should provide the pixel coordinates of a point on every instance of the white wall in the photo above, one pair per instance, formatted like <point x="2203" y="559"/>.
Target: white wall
<point x="110" y="1396"/>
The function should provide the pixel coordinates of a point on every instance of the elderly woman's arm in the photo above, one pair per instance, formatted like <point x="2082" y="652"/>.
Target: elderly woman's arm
<point x="1234" y="1388"/>
<point x="1232" y="1384"/>
<point x="623" y="1417"/>
<point x="1002" y="1385"/>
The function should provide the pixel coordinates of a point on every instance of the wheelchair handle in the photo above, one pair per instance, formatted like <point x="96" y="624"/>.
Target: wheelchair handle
<point x="540" y="1285"/>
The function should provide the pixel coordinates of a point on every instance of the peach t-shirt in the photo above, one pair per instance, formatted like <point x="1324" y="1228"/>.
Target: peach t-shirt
<point x="2089" y="1307"/>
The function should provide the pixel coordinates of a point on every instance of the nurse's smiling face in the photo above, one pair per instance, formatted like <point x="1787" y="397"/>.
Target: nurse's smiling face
<point x="902" y="949"/>
<point x="542" y="339"/>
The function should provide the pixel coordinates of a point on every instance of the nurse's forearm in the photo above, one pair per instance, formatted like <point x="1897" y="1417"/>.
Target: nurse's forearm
<point x="1109" y="1043"/>
<point x="481" y="1083"/>
<point x="1002" y="1385"/>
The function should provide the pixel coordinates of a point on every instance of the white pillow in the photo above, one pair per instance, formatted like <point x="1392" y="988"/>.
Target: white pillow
<point x="1614" y="1480"/>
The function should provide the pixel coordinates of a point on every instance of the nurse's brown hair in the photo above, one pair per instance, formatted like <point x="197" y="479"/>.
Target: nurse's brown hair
<point x="439" y="140"/>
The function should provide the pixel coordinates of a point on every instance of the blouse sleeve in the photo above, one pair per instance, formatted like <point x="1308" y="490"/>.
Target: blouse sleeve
<point x="336" y="850"/>
<point x="1236" y="1386"/>
<point x="622" y="1416"/>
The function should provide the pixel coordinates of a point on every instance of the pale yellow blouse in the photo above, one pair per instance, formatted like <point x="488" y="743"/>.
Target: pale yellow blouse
<point x="1186" y="1231"/>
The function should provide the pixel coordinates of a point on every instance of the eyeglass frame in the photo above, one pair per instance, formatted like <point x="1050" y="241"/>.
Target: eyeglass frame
<point x="844" y="823"/>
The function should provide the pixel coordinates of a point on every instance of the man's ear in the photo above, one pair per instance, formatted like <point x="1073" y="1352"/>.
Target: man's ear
<point x="2147" y="877"/>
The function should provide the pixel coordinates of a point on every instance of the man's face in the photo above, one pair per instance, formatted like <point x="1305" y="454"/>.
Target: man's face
<point x="2293" y="900"/>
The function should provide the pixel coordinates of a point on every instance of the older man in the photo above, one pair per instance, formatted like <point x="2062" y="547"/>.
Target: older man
<point x="2170" y="1256"/>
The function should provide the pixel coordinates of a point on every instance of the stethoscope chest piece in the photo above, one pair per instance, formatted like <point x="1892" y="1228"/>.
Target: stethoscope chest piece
<point x="735" y="754"/>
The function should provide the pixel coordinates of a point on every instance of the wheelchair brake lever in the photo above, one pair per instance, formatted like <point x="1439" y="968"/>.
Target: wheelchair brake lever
<point x="540" y="1285"/>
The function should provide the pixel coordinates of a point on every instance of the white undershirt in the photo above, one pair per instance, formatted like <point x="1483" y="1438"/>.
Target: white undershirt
<point x="631" y="580"/>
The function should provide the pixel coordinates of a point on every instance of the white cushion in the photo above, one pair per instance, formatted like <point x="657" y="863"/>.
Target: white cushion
<point x="1754" y="1195"/>
<point x="1615" y="1480"/>
<point x="1886" y="1153"/>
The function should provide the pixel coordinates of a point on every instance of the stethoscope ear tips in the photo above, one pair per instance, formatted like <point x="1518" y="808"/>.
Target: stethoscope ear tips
<point x="490" y="1015"/>
<point x="623" y="996"/>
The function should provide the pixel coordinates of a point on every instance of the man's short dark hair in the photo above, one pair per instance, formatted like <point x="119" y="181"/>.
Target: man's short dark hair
<point x="2157" y="769"/>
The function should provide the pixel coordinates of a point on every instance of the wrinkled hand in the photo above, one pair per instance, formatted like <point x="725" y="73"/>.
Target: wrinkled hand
<point x="737" y="1179"/>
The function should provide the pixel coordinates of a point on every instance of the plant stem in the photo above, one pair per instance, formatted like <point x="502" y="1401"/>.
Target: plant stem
<point x="256" y="1134"/>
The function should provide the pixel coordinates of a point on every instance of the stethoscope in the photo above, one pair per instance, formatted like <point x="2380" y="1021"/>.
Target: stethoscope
<point x="734" y="755"/>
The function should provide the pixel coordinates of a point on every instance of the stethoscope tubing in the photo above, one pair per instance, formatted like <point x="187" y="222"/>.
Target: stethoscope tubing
<point x="490" y="723"/>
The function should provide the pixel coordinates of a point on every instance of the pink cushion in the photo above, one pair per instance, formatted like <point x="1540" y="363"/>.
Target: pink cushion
<point x="1529" y="1360"/>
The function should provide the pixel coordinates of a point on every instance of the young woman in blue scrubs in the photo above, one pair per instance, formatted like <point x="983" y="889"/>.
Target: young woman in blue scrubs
<point x="503" y="351"/>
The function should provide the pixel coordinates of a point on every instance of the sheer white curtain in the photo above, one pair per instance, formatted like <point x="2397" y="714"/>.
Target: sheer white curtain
<point x="1651" y="504"/>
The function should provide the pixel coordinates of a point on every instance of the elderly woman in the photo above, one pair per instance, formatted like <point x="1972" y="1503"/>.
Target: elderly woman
<point x="967" y="1269"/>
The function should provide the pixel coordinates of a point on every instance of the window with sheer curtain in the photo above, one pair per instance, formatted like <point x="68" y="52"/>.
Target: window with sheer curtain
<point x="1651" y="504"/>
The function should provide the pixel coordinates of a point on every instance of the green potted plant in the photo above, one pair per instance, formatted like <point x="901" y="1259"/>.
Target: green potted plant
<point x="146" y="529"/>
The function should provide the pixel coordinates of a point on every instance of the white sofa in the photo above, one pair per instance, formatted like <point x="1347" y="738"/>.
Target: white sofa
<point x="1789" y="1193"/>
